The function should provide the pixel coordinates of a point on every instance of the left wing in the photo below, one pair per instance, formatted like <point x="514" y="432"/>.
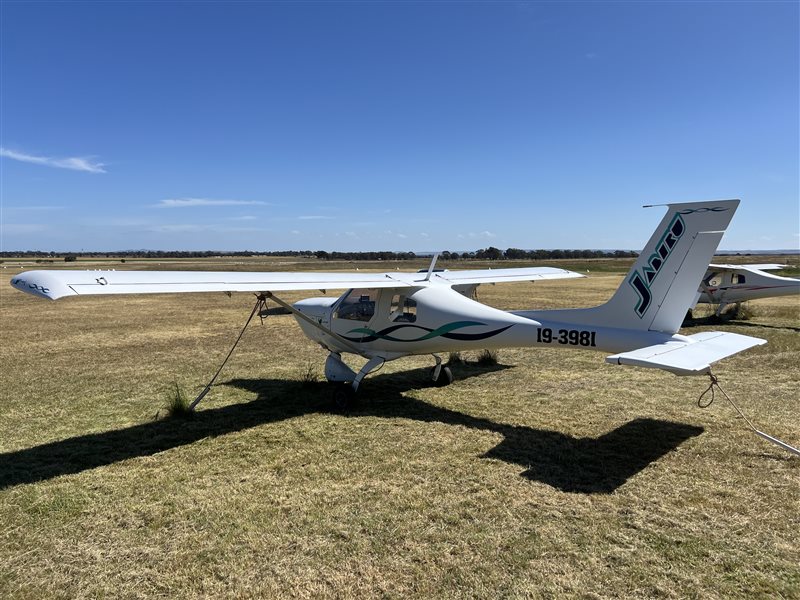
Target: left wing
<point x="58" y="284"/>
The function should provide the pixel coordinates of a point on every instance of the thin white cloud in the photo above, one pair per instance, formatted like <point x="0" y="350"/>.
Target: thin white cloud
<point x="193" y="202"/>
<point x="75" y="163"/>
<point x="41" y="208"/>
<point x="22" y="228"/>
<point x="179" y="228"/>
<point x="195" y="228"/>
<point x="118" y="222"/>
<point x="243" y="218"/>
<point x="315" y="218"/>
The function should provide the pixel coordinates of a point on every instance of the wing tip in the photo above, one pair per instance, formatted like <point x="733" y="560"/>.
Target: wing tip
<point x="37" y="283"/>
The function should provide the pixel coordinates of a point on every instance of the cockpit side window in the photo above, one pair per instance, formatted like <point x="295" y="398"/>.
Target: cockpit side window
<point x="403" y="310"/>
<point x="358" y="305"/>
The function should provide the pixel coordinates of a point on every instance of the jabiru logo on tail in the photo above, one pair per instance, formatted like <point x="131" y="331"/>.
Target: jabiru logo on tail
<point x="642" y="280"/>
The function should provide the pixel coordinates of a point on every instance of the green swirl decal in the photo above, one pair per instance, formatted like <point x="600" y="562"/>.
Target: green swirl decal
<point x="446" y="331"/>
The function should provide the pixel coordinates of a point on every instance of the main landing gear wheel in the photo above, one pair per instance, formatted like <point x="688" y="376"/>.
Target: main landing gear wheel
<point x="343" y="396"/>
<point x="445" y="377"/>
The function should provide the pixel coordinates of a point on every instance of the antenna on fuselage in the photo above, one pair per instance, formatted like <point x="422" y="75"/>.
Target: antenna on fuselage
<point x="430" y="269"/>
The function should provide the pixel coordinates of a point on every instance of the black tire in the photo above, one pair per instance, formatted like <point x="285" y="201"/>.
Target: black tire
<point x="343" y="397"/>
<point x="445" y="377"/>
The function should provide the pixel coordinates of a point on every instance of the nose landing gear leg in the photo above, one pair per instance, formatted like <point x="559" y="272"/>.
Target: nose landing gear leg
<point x="345" y="390"/>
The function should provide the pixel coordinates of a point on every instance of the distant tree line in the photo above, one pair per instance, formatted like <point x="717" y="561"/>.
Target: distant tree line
<point x="490" y="253"/>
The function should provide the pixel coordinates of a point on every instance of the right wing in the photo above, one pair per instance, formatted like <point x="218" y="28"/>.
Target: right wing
<point x="478" y="276"/>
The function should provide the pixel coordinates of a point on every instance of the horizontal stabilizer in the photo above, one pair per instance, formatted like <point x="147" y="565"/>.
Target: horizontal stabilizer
<point x="691" y="357"/>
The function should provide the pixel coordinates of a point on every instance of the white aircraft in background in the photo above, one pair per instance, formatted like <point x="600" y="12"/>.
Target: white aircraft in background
<point x="386" y="316"/>
<point x="724" y="285"/>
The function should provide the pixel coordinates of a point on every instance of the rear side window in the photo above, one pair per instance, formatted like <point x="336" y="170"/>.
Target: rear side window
<point x="403" y="310"/>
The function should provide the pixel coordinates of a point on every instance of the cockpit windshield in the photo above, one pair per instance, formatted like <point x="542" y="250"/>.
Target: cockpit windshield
<point x="358" y="305"/>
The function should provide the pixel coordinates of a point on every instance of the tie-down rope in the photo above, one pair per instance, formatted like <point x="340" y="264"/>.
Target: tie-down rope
<point x="261" y="302"/>
<point x="715" y="384"/>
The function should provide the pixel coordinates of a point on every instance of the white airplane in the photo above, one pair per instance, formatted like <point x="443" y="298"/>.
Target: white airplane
<point x="724" y="285"/>
<point x="386" y="316"/>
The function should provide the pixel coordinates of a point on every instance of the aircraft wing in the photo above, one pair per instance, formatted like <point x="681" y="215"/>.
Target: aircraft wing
<point x="60" y="283"/>
<point x="761" y="267"/>
<point x="692" y="357"/>
<point x="478" y="276"/>
<point x="57" y="284"/>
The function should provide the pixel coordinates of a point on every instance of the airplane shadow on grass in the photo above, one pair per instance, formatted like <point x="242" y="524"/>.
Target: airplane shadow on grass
<point x="582" y="465"/>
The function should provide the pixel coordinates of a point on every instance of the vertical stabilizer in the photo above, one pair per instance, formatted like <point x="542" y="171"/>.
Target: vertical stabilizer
<point x="662" y="284"/>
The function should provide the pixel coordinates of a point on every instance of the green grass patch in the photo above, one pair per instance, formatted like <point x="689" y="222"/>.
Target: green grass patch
<point x="177" y="403"/>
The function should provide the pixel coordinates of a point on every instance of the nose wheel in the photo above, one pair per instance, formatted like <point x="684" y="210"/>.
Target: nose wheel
<point x="445" y="377"/>
<point x="440" y="375"/>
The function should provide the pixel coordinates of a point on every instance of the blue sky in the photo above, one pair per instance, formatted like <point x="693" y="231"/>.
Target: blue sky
<point x="393" y="125"/>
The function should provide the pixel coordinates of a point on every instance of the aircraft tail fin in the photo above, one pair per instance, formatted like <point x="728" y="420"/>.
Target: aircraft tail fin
<point x="662" y="284"/>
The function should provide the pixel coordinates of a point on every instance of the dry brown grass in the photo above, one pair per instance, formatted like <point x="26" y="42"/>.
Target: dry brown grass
<point x="550" y="474"/>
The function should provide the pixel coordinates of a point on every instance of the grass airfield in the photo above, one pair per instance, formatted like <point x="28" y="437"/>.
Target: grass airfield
<point x="550" y="474"/>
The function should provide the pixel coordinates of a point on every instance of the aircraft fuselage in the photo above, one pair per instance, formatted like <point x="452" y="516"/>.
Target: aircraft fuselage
<point x="444" y="320"/>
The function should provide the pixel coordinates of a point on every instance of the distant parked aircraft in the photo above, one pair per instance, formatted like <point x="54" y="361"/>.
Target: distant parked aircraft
<point x="724" y="285"/>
